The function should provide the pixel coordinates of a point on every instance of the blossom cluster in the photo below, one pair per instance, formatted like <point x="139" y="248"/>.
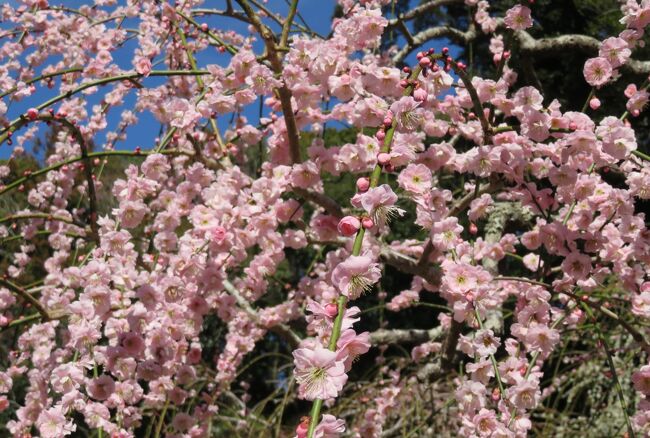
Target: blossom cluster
<point x="119" y="324"/>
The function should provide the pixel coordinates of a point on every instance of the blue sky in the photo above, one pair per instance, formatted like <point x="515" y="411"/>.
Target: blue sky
<point x="316" y="13"/>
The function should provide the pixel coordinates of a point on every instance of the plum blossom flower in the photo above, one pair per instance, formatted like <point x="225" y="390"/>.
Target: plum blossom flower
<point x="518" y="18"/>
<point x="407" y="113"/>
<point x="329" y="427"/>
<point x="485" y="343"/>
<point x="542" y="338"/>
<point x="415" y="178"/>
<point x="485" y="422"/>
<point x="597" y="71"/>
<point x="641" y="380"/>
<point x="52" y="423"/>
<point x="379" y="202"/>
<point x="524" y="395"/>
<point x="577" y="265"/>
<point x="445" y="233"/>
<point x="102" y="387"/>
<point x="479" y="207"/>
<point x="615" y="50"/>
<point x="319" y="372"/>
<point x="350" y="345"/>
<point x="355" y="276"/>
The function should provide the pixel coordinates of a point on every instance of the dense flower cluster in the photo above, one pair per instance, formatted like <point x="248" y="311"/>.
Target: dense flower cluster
<point x="116" y="340"/>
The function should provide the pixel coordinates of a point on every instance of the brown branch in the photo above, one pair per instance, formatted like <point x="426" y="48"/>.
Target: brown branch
<point x="549" y="47"/>
<point x="405" y="31"/>
<point x="26" y="296"/>
<point x="45" y="216"/>
<point x="287" y="23"/>
<point x="273" y="54"/>
<point x="401" y="336"/>
<point x="421" y="9"/>
<point x="411" y="266"/>
<point x="330" y="205"/>
<point x="421" y="38"/>
<point x="282" y="330"/>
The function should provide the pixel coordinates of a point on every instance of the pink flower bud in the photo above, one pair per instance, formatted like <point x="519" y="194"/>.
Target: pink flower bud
<point x="403" y="83"/>
<point x="383" y="158"/>
<point x="425" y="62"/>
<point x="573" y="126"/>
<point x="381" y="135"/>
<point x="473" y="229"/>
<point x="349" y="225"/>
<point x="367" y="223"/>
<point x="302" y="429"/>
<point x="32" y="113"/>
<point x="204" y="27"/>
<point x="388" y="121"/>
<point x="363" y="184"/>
<point x="420" y="95"/>
<point x="594" y="103"/>
<point x="331" y="309"/>
<point x="630" y="90"/>
<point x="218" y="234"/>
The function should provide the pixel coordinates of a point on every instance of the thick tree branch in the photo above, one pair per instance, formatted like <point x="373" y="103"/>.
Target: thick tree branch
<point x="401" y="336"/>
<point x="548" y="47"/>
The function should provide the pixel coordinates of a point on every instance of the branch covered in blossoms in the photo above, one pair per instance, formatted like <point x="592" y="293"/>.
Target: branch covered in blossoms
<point x="222" y="221"/>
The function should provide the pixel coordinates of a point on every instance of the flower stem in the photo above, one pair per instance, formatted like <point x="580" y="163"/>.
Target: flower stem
<point x="356" y="247"/>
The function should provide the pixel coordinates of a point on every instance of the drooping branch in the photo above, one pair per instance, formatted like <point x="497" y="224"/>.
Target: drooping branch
<point x="26" y="296"/>
<point x="282" y="330"/>
<point x="275" y="58"/>
<point x="21" y="121"/>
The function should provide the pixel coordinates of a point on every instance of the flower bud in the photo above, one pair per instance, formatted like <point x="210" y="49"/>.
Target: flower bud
<point x="383" y="158"/>
<point x="420" y="95"/>
<point x="349" y="225"/>
<point x="32" y="113"/>
<point x="331" y="309"/>
<point x="363" y="184"/>
<point x="594" y="103"/>
<point x="367" y="223"/>
<point x="473" y="229"/>
<point x="302" y="429"/>
<point x="425" y="62"/>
